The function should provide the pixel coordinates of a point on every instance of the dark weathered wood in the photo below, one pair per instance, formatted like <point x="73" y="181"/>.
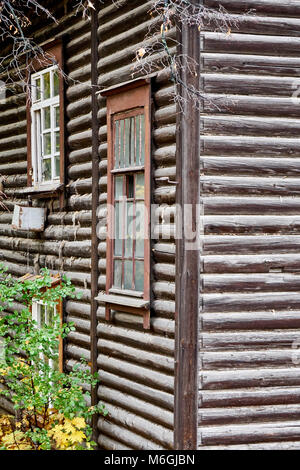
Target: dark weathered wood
<point x="95" y="202"/>
<point x="187" y="260"/>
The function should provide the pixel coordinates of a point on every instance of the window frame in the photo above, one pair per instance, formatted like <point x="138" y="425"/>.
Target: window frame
<point x="55" y="50"/>
<point x="58" y="311"/>
<point x="124" y="101"/>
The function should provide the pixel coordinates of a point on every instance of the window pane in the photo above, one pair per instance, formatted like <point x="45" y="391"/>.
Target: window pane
<point x="118" y="230"/>
<point x="57" y="117"/>
<point x="56" y="84"/>
<point x="47" y="174"/>
<point x="42" y="315"/>
<point x="47" y="144"/>
<point x="139" y="276"/>
<point x="127" y="142"/>
<point x="46" y="86"/>
<point x="118" y="187"/>
<point x="117" y="144"/>
<point x="57" y="142"/>
<point x="129" y="231"/>
<point x="132" y="141"/>
<point x="138" y="139"/>
<point x="140" y="186"/>
<point x="140" y="224"/>
<point x="128" y="274"/>
<point x="122" y="157"/>
<point x="57" y="166"/>
<point x="142" y="140"/>
<point x="130" y="186"/>
<point x="37" y="90"/>
<point x="47" y="118"/>
<point x="118" y="274"/>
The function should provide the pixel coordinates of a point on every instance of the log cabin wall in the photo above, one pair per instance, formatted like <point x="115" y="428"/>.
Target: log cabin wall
<point x="65" y="244"/>
<point x="249" y="384"/>
<point x="136" y="367"/>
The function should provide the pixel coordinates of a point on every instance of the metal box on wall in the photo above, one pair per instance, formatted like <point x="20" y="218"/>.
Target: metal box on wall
<point x="29" y="218"/>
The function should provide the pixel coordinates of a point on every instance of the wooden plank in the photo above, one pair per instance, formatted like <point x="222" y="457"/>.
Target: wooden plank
<point x="187" y="260"/>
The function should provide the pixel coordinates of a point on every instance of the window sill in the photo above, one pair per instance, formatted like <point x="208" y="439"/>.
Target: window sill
<point x="44" y="191"/>
<point x="127" y="304"/>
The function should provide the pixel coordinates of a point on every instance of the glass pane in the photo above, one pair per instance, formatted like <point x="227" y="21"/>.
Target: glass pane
<point x="132" y="141"/>
<point x="37" y="91"/>
<point x="118" y="230"/>
<point x="122" y="159"/>
<point x="57" y="117"/>
<point x="57" y="166"/>
<point x="139" y="276"/>
<point x="42" y="314"/>
<point x="130" y="186"/>
<point x="47" y="175"/>
<point x="118" y="187"/>
<point x="47" y="118"/>
<point x="127" y="142"/>
<point x="128" y="274"/>
<point x="129" y="231"/>
<point x="142" y="140"/>
<point x="56" y="84"/>
<point x="140" y="224"/>
<point x="117" y="144"/>
<point x="140" y="186"/>
<point x="138" y="139"/>
<point x="118" y="274"/>
<point x="46" y="86"/>
<point x="57" y="142"/>
<point x="47" y="144"/>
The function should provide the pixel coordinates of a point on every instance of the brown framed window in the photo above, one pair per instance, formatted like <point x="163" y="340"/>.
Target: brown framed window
<point x="45" y="122"/>
<point x="129" y="195"/>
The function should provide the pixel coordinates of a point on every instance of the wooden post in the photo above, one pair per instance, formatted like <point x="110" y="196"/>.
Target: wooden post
<point x="95" y="203"/>
<point x="187" y="260"/>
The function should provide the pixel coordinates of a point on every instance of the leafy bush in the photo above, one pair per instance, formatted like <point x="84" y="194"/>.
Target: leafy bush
<point x="51" y="406"/>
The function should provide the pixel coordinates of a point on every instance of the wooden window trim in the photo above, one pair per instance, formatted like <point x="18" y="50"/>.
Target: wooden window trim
<point x="55" y="49"/>
<point x="124" y="102"/>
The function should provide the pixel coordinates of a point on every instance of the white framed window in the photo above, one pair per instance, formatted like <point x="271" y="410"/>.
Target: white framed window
<point x="44" y="315"/>
<point x="45" y="126"/>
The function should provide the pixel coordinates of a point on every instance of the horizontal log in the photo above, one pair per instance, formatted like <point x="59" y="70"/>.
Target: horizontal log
<point x="251" y="224"/>
<point x="137" y="355"/>
<point x="254" y="338"/>
<point x="247" y="145"/>
<point x="251" y="282"/>
<point x="247" y="433"/>
<point x="248" y="63"/>
<point x="135" y="405"/>
<point x="247" y="244"/>
<point x="232" y="302"/>
<point x="261" y="320"/>
<point x="249" y="84"/>
<point x="254" y="414"/>
<point x="251" y="166"/>
<point x="147" y="428"/>
<point x="148" y="394"/>
<point x="232" y="379"/>
<point x="251" y="263"/>
<point x="263" y="396"/>
<point x="247" y="185"/>
<point x="250" y="125"/>
<point x="267" y="44"/>
<point x="136" y="372"/>
<point x="251" y="205"/>
<point x="248" y="359"/>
